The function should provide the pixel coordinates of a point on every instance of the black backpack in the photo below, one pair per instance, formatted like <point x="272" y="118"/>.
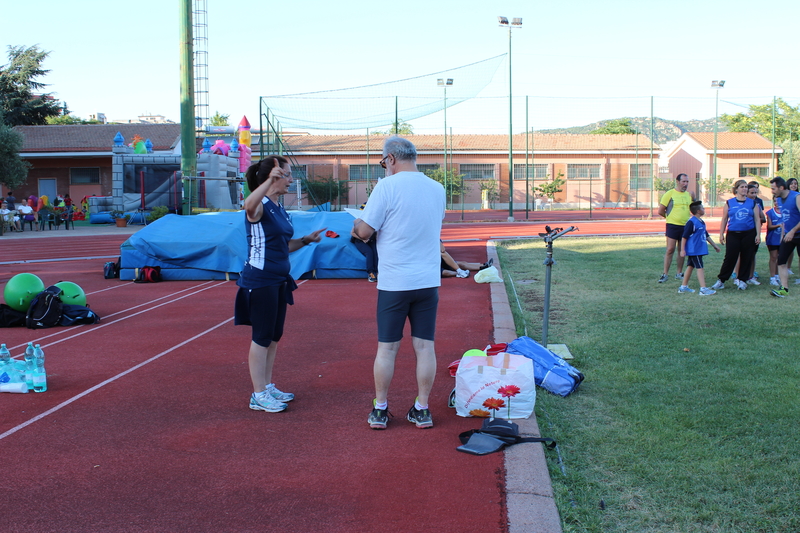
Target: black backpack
<point x="111" y="269"/>
<point x="45" y="309"/>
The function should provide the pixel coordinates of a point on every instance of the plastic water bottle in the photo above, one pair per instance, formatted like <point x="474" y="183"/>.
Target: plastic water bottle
<point x="5" y="355"/>
<point x="39" y="374"/>
<point x="30" y="365"/>
<point x="6" y="366"/>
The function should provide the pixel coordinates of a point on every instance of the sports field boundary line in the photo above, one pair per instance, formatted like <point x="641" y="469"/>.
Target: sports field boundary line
<point x="109" y="380"/>
<point x="101" y="326"/>
<point x="56" y="260"/>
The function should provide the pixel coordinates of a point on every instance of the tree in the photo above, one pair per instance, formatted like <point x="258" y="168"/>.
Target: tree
<point x="455" y="182"/>
<point x="759" y="120"/>
<point x="219" y="120"/>
<point x="325" y="190"/>
<point x="13" y="169"/>
<point x="18" y="81"/>
<point x="789" y="162"/>
<point x="619" y="126"/>
<point x="68" y="119"/>
<point x="403" y="129"/>
<point x="550" y="188"/>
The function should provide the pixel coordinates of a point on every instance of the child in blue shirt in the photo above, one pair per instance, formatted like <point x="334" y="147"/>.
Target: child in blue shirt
<point x="694" y="247"/>
<point x="773" y="240"/>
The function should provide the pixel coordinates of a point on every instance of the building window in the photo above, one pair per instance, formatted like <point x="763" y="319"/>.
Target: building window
<point x="477" y="171"/>
<point x="641" y="178"/>
<point x="583" y="172"/>
<point x="359" y="172"/>
<point x="537" y="171"/>
<point x="299" y="172"/>
<point x="84" y="176"/>
<point x="751" y="169"/>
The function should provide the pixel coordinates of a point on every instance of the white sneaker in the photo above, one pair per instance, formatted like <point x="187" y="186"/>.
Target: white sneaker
<point x="684" y="288"/>
<point x="718" y="286"/>
<point x="278" y="395"/>
<point x="753" y="281"/>
<point x="790" y="272"/>
<point x="741" y="285"/>
<point x="796" y="282"/>
<point x="775" y="280"/>
<point x="462" y="273"/>
<point x="679" y="275"/>
<point x="705" y="291"/>
<point x="263" y="401"/>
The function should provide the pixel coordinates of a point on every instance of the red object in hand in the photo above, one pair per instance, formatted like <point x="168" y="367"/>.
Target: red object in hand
<point x="331" y="234"/>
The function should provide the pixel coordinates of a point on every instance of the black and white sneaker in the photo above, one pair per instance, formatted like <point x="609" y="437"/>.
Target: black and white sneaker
<point x="420" y="417"/>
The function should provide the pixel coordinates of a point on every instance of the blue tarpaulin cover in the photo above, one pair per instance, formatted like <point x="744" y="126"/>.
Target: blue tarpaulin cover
<point x="215" y="243"/>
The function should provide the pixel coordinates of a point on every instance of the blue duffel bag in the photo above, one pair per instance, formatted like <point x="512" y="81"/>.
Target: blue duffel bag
<point x="550" y="371"/>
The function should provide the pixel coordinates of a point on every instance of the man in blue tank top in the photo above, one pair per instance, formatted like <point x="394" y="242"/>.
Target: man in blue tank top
<point x="789" y="204"/>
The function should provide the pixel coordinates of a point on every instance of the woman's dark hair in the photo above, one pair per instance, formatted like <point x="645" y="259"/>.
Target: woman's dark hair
<point x="257" y="173"/>
<point x="789" y="183"/>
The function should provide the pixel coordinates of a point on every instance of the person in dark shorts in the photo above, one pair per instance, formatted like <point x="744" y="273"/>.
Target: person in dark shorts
<point x="265" y="285"/>
<point x="674" y="207"/>
<point x="694" y="246"/>
<point x="406" y="208"/>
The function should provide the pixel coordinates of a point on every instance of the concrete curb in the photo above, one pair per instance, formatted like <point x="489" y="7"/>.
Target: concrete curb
<point x="530" y="505"/>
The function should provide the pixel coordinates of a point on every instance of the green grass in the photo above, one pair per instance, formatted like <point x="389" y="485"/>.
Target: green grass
<point x="658" y="438"/>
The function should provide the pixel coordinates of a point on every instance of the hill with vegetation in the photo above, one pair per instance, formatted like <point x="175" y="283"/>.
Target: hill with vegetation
<point x="663" y="130"/>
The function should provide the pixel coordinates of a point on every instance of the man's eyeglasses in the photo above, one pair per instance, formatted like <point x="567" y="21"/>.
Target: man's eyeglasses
<point x="383" y="161"/>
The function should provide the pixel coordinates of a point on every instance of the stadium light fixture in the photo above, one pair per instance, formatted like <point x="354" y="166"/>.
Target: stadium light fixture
<point x="515" y="23"/>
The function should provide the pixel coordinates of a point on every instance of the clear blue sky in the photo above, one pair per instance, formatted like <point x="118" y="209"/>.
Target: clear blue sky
<point x="591" y="60"/>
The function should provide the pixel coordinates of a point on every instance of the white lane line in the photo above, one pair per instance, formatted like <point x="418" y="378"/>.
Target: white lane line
<point x="110" y="380"/>
<point x="149" y="307"/>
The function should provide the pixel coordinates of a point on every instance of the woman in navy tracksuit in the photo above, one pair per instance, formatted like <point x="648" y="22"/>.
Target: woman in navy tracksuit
<point x="740" y="232"/>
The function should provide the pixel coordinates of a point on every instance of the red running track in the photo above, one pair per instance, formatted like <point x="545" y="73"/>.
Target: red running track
<point x="145" y="425"/>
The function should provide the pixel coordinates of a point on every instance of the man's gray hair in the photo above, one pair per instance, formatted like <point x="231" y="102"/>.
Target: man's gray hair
<point x="401" y="149"/>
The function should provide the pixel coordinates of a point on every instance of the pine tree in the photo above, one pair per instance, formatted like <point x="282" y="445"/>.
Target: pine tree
<point x="19" y="102"/>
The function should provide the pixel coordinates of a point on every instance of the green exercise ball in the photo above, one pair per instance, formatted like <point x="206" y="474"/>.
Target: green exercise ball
<point x="71" y="293"/>
<point x="474" y="353"/>
<point x="21" y="290"/>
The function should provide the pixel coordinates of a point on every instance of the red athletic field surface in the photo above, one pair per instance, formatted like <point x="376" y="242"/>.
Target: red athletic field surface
<point x="145" y="424"/>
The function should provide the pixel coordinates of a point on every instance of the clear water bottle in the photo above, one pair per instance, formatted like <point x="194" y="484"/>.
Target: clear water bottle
<point x="5" y="355"/>
<point x="30" y="365"/>
<point x="39" y="375"/>
<point x="7" y="371"/>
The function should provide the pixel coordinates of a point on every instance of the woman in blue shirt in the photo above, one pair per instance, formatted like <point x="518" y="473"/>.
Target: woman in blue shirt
<point x="740" y="232"/>
<point x="265" y="286"/>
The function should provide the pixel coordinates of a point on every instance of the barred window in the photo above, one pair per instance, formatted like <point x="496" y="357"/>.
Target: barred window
<point x="425" y="168"/>
<point x="299" y="172"/>
<point x="359" y="172"/>
<point x="537" y="171"/>
<point x="640" y="177"/>
<point x="477" y="171"/>
<point x="750" y="169"/>
<point x="583" y="172"/>
<point x="84" y="176"/>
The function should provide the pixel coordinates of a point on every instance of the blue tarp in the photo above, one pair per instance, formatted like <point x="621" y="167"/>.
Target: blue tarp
<point x="216" y="243"/>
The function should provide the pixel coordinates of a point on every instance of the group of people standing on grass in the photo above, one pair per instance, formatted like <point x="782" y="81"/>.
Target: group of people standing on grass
<point x="740" y="233"/>
<point x="406" y="208"/>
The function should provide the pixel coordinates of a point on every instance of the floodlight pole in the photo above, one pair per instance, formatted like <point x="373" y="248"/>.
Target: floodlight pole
<point x="188" y="155"/>
<point x="715" y="84"/>
<point x="515" y="23"/>
<point x="444" y="84"/>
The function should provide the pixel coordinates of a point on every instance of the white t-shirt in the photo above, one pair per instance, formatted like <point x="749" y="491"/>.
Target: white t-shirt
<point x="406" y="209"/>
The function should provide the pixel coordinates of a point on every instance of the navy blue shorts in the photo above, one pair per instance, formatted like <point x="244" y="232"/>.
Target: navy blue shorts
<point x="674" y="232"/>
<point x="419" y="306"/>
<point x="694" y="261"/>
<point x="264" y="309"/>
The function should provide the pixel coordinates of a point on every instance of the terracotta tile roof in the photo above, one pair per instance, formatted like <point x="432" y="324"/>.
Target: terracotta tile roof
<point x="470" y="143"/>
<point x="729" y="140"/>
<point x="94" y="137"/>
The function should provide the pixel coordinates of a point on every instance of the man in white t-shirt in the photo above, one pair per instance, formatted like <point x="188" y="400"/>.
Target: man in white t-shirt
<point x="406" y="208"/>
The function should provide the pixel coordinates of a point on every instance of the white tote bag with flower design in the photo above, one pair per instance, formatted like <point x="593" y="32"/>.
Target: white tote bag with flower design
<point x="499" y="386"/>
